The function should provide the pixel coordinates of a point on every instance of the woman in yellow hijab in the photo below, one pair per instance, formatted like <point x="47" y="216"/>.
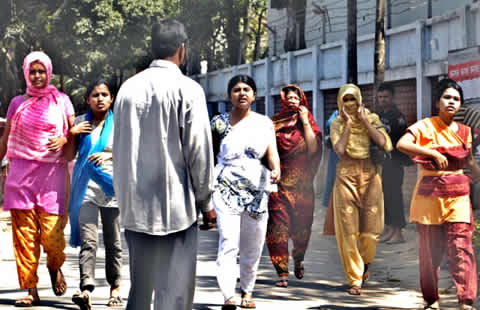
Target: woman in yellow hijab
<point x="357" y="193"/>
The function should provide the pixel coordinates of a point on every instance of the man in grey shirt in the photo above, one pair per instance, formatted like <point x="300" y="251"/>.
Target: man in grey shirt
<point x="163" y="173"/>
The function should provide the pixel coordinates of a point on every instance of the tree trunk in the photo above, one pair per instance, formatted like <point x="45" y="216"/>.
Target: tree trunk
<point x="245" y="33"/>
<point x="295" y="36"/>
<point x="379" y="55"/>
<point x="232" y="27"/>
<point x="258" y="35"/>
<point x="352" y="76"/>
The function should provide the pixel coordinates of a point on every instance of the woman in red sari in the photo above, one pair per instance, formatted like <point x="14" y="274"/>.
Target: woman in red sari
<point x="291" y="208"/>
<point x="441" y="204"/>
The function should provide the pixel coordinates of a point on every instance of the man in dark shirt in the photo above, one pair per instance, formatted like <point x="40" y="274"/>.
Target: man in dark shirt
<point x="392" y="177"/>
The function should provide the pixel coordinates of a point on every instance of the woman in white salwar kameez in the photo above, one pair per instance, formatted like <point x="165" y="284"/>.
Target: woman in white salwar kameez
<point x="241" y="139"/>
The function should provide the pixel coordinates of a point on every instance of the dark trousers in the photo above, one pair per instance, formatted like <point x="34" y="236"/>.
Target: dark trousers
<point x="165" y="265"/>
<point x="392" y="181"/>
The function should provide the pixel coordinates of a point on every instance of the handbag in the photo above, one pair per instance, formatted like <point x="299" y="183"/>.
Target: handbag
<point x="378" y="155"/>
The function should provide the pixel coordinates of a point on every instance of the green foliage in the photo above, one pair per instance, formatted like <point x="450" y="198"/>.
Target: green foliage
<point x="88" y="38"/>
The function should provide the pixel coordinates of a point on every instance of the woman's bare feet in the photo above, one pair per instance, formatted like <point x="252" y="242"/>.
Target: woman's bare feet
<point x="396" y="236"/>
<point x="386" y="235"/>
<point x="30" y="300"/>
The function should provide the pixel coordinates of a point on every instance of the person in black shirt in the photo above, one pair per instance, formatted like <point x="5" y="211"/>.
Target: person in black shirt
<point x="392" y="177"/>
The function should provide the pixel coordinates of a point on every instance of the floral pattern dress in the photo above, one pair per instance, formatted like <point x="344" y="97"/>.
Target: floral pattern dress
<point x="242" y="183"/>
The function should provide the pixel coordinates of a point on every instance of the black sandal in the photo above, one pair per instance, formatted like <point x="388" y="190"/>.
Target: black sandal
<point x="82" y="300"/>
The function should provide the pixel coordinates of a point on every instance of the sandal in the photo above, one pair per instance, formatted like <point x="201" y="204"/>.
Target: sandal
<point x="355" y="290"/>
<point x="59" y="286"/>
<point x="82" y="300"/>
<point x="464" y="306"/>
<point x="247" y="301"/>
<point x="435" y="306"/>
<point x="299" y="270"/>
<point x="229" y="304"/>
<point x="281" y="283"/>
<point x="115" y="301"/>
<point x="27" y="301"/>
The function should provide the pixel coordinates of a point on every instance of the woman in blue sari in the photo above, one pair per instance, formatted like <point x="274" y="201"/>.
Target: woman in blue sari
<point x="92" y="195"/>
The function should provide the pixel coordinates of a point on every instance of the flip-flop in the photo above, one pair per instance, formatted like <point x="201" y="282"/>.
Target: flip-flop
<point x="115" y="301"/>
<point x="229" y="304"/>
<point x="82" y="300"/>
<point x="59" y="286"/>
<point x="281" y="283"/>
<point x="26" y="302"/>
<point x="355" y="290"/>
<point x="247" y="302"/>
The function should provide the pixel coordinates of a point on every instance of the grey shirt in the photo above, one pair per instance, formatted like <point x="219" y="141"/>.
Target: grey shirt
<point x="162" y="146"/>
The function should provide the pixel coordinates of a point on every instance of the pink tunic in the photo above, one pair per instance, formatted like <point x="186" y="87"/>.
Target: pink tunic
<point x="33" y="183"/>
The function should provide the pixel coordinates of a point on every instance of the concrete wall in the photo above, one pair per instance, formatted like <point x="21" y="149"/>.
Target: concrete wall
<point x="402" y="13"/>
<point x="417" y="55"/>
<point x="416" y="51"/>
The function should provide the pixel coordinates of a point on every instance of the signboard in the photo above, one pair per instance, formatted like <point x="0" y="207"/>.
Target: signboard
<point x="464" y="67"/>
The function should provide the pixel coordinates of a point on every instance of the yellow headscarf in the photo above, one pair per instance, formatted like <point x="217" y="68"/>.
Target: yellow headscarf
<point x="359" y="141"/>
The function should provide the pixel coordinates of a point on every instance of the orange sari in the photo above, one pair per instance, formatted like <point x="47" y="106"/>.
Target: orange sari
<point x="441" y="195"/>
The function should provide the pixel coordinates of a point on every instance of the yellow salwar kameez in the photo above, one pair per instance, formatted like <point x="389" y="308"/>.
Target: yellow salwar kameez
<point x="357" y="193"/>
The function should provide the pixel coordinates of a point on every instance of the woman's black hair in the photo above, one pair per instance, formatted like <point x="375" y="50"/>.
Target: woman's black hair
<point x="445" y="84"/>
<point x="95" y="83"/>
<point x="241" y="78"/>
<point x="288" y="89"/>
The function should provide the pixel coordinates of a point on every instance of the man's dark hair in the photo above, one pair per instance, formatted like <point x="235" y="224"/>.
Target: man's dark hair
<point x="444" y="85"/>
<point x="167" y="36"/>
<point x="386" y="87"/>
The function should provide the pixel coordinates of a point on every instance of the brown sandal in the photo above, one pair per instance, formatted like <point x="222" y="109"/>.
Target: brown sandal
<point x="247" y="301"/>
<point x="282" y="283"/>
<point x="229" y="304"/>
<point x="355" y="290"/>
<point x="59" y="286"/>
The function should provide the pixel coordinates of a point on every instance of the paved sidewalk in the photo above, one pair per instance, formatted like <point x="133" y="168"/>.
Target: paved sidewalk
<point x="394" y="283"/>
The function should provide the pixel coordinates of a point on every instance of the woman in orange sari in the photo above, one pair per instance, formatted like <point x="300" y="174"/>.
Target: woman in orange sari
<point x="441" y="199"/>
<point x="291" y="208"/>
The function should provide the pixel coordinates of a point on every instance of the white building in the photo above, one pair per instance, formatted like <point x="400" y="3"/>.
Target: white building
<point x="333" y="16"/>
<point x="417" y="55"/>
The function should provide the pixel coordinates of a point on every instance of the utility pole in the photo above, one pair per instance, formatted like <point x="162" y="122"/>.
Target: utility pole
<point x="389" y="14"/>
<point x="379" y="56"/>
<point x="429" y="9"/>
<point x="352" y="75"/>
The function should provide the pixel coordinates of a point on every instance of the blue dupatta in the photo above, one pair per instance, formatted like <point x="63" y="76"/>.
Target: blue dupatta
<point x="84" y="171"/>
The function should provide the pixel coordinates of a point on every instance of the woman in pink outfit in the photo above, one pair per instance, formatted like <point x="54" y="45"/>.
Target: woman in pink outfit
<point x="36" y="186"/>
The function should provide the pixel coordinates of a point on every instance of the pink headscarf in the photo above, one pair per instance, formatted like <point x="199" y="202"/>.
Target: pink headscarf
<point x="42" y="58"/>
<point x="29" y="136"/>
